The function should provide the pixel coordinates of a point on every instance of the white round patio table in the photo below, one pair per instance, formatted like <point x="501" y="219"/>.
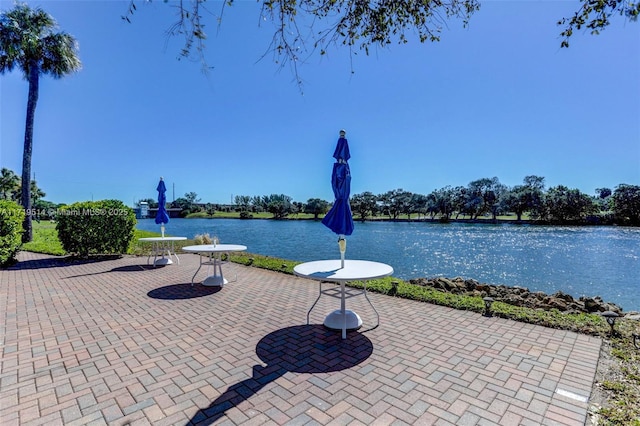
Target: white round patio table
<point x="160" y="247"/>
<point x="334" y="271"/>
<point x="212" y="253"/>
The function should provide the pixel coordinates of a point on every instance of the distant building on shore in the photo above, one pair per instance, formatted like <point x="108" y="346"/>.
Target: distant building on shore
<point x="142" y="211"/>
<point x="174" y="212"/>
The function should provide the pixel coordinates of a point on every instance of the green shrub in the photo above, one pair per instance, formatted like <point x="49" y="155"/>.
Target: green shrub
<point x="95" y="227"/>
<point x="11" y="218"/>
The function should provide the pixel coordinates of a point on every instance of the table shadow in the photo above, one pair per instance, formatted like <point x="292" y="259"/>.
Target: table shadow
<point x="128" y="268"/>
<point x="182" y="291"/>
<point x="298" y="349"/>
<point x="137" y="268"/>
<point x="58" y="262"/>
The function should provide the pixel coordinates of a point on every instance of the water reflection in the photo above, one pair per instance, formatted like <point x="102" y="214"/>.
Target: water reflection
<point x="588" y="261"/>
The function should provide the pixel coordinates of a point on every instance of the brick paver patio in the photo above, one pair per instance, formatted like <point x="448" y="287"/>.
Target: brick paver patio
<point x="116" y="342"/>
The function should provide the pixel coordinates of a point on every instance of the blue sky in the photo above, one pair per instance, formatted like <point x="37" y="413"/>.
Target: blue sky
<point x="499" y="98"/>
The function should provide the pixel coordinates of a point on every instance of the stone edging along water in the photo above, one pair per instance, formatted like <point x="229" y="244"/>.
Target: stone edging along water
<point x="519" y="296"/>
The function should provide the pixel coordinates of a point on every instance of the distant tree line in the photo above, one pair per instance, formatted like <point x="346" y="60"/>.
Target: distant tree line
<point x="482" y="198"/>
<point x="279" y="205"/>
<point x="486" y="198"/>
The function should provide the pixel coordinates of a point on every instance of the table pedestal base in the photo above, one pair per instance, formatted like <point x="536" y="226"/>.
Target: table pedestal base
<point x="215" y="281"/>
<point x="211" y="256"/>
<point x="336" y="320"/>
<point x="340" y="272"/>
<point x="162" y="250"/>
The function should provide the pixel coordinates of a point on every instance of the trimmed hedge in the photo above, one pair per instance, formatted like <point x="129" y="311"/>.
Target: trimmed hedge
<point x="95" y="227"/>
<point x="11" y="218"/>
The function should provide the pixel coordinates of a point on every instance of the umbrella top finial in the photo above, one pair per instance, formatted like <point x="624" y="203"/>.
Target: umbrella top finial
<point x="343" y="133"/>
<point x="161" y="178"/>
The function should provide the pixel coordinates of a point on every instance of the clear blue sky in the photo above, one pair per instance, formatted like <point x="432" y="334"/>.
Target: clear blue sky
<point x="499" y="98"/>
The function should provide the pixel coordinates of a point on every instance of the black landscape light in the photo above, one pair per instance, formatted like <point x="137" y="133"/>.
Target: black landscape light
<point x="488" y="301"/>
<point x="611" y="317"/>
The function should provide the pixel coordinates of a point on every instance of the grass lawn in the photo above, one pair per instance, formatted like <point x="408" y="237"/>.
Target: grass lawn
<point x="45" y="240"/>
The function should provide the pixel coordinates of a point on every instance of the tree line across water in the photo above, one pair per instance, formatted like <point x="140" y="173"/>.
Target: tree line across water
<point x="480" y="198"/>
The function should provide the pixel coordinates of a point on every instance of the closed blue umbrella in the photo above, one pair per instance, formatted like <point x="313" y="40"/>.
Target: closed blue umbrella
<point x="340" y="219"/>
<point x="162" y="217"/>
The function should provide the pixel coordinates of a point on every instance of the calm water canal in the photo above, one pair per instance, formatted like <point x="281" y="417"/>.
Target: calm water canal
<point x="581" y="261"/>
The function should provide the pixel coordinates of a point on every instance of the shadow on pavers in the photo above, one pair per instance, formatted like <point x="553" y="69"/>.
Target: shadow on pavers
<point x="59" y="262"/>
<point x="298" y="349"/>
<point x="182" y="291"/>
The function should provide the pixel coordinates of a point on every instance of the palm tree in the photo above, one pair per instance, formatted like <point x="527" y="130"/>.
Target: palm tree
<point x="28" y="41"/>
<point x="9" y="181"/>
<point x="36" y="193"/>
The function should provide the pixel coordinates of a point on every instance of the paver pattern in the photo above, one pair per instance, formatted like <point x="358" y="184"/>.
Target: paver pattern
<point x="120" y="343"/>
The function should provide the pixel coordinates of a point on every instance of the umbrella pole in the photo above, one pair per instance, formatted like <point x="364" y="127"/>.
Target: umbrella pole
<point x="162" y="230"/>
<point x="342" y="243"/>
